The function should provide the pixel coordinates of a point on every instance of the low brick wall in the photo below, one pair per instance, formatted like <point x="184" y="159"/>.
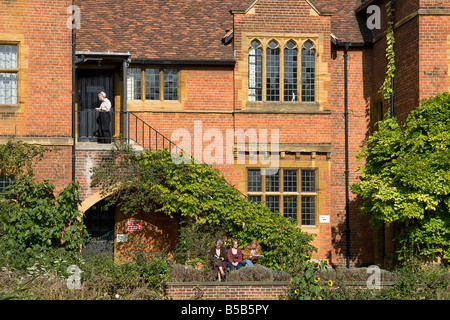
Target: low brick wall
<point x="227" y="290"/>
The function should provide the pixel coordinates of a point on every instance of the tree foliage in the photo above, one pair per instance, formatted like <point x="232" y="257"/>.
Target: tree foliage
<point x="34" y="219"/>
<point x="153" y="182"/>
<point x="406" y="179"/>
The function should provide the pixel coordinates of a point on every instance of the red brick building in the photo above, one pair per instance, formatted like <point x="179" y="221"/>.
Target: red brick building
<point x="205" y="74"/>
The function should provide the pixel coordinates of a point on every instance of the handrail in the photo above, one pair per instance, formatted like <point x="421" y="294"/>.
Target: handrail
<point x="146" y="128"/>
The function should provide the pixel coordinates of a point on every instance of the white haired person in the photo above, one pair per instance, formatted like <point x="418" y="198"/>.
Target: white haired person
<point x="104" y="131"/>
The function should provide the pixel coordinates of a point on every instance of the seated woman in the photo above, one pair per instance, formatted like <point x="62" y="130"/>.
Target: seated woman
<point x="219" y="254"/>
<point x="252" y="253"/>
<point x="234" y="256"/>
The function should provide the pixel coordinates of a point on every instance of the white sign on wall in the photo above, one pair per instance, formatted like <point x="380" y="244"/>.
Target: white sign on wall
<point x="324" y="219"/>
<point x="122" y="237"/>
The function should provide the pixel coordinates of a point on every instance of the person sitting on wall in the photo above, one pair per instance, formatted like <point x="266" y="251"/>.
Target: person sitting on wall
<point x="219" y="254"/>
<point x="252" y="253"/>
<point x="234" y="256"/>
<point x="104" y="129"/>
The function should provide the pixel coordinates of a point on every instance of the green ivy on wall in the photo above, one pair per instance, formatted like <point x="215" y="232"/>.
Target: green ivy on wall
<point x="386" y="87"/>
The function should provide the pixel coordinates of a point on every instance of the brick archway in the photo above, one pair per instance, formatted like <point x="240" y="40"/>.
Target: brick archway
<point x="92" y="200"/>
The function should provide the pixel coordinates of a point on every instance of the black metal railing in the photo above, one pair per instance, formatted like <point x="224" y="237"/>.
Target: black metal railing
<point x="144" y="135"/>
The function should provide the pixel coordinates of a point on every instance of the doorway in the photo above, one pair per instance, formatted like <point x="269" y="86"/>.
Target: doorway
<point x="90" y="83"/>
<point x="99" y="221"/>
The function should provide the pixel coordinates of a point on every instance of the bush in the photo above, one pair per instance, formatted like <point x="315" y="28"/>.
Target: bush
<point x="183" y="273"/>
<point x="257" y="273"/>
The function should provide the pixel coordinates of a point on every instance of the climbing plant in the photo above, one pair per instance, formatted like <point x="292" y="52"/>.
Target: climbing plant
<point x="199" y="194"/>
<point x="406" y="179"/>
<point x="386" y="88"/>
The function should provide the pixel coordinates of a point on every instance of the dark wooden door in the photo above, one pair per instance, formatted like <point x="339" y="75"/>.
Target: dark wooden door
<point x="90" y="83"/>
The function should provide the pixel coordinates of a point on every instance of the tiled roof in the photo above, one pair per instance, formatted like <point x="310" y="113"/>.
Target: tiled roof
<point x="183" y="29"/>
<point x="345" y="24"/>
<point x="158" y="29"/>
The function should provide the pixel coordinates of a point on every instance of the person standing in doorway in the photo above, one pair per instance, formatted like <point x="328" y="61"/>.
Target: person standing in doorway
<point x="104" y="131"/>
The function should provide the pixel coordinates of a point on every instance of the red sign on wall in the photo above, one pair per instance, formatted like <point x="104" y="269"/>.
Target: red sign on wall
<point x="134" y="225"/>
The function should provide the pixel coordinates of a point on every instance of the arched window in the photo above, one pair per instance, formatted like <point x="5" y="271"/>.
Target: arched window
<point x="255" y="71"/>
<point x="308" y="72"/>
<point x="273" y="72"/>
<point x="290" y="72"/>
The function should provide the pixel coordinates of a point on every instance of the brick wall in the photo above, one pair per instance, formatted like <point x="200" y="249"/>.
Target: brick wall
<point x="228" y="290"/>
<point x="45" y="61"/>
<point x="44" y="80"/>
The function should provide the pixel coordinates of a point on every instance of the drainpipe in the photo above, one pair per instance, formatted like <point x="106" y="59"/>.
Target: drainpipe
<point x="73" y="100"/>
<point x="347" y="198"/>
<point x="124" y="99"/>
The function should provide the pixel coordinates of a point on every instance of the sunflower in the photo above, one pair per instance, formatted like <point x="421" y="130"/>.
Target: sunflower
<point x="316" y="279"/>
<point x="330" y="283"/>
<point x="308" y="261"/>
<point x="320" y="298"/>
<point x="307" y="256"/>
<point x="296" y="291"/>
<point x="325" y="261"/>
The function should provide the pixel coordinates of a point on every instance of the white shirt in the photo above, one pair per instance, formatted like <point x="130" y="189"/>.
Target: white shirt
<point x="106" y="105"/>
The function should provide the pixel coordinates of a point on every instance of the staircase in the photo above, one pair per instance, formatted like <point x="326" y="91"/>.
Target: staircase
<point x="144" y="137"/>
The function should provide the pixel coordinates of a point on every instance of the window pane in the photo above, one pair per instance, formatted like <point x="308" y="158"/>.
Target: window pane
<point x="8" y="56"/>
<point x="290" y="181"/>
<point x="254" y="181"/>
<point x="273" y="203"/>
<point x="290" y="207"/>
<point x="308" y="181"/>
<point x="134" y="84"/>
<point x="5" y="182"/>
<point x="255" y="72"/>
<point x="8" y="88"/>
<point x="255" y="199"/>
<point x="308" y="210"/>
<point x="273" y="73"/>
<point x="152" y="84"/>
<point x="308" y="73"/>
<point x="290" y="73"/>
<point x="272" y="180"/>
<point x="170" y="84"/>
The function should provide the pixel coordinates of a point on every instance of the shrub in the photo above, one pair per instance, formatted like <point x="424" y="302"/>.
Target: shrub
<point x="257" y="273"/>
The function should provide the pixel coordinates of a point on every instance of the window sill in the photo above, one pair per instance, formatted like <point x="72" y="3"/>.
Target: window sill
<point x="9" y="108"/>
<point x="154" y="105"/>
<point x="283" y="107"/>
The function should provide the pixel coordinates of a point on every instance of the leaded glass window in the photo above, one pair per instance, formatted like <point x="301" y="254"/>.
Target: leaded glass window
<point x="254" y="180"/>
<point x="308" y="72"/>
<point x="8" y="77"/>
<point x="170" y="84"/>
<point x="134" y="85"/>
<point x="290" y="72"/>
<point x="255" y="72"/>
<point x="308" y="210"/>
<point x="152" y="84"/>
<point x="290" y="206"/>
<point x="273" y="72"/>
<point x="273" y="203"/>
<point x="290" y="191"/>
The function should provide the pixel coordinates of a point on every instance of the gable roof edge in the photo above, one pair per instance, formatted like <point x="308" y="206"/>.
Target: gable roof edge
<point x="310" y="2"/>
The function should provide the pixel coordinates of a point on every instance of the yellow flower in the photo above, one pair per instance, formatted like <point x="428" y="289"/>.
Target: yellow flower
<point x="325" y="261"/>
<point x="290" y="280"/>
<point x="330" y="283"/>
<point x="320" y="298"/>
<point x="307" y="261"/>
<point x="296" y="291"/>
<point x="316" y="279"/>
